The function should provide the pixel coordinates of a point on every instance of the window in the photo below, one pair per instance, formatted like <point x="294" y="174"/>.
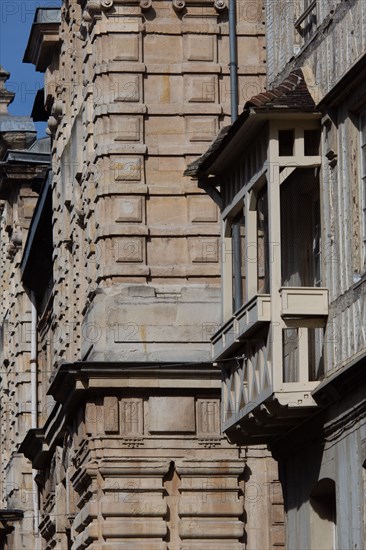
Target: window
<point x="262" y="242"/>
<point x="363" y="185"/>
<point x="37" y="262"/>
<point x="238" y="259"/>
<point x="250" y="250"/>
<point x="301" y="230"/>
<point x="290" y="355"/>
<point x="311" y="142"/>
<point x="306" y="23"/>
<point x="286" y="142"/>
<point x="316" y="234"/>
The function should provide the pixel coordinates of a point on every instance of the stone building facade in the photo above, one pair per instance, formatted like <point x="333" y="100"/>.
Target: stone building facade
<point x="111" y="433"/>
<point x="291" y="174"/>
<point x="23" y="165"/>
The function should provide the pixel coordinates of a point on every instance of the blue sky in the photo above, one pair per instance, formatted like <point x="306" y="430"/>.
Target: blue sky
<point x="16" y="18"/>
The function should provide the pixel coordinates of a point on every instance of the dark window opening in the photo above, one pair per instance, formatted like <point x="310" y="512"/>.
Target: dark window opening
<point x="311" y="142"/>
<point x="37" y="262"/>
<point x="316" y="356"/>
<point x="290" y="355"/>
<point x="301" y="229"/>
<point x="238" y="261"/>
<point x="262" y="242"/>
<point x="286" y="141"/>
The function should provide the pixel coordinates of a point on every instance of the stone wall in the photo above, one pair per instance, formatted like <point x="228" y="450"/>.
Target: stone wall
<point x="129" y="449"/>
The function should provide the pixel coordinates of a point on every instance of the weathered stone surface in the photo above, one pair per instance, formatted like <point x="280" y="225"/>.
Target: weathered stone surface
<point x="172" y="414"/>
<point x="129" y="447"/>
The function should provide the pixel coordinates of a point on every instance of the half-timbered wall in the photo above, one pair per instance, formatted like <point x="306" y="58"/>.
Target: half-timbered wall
<point x="330" y="448"/>
<point x="337" y="41"/>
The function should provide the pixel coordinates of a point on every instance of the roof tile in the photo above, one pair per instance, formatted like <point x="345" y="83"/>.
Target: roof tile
<point x="291" y="93"/>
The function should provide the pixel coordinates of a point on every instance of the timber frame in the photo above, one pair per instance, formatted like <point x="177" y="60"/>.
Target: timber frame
<point x="259" y="397"/>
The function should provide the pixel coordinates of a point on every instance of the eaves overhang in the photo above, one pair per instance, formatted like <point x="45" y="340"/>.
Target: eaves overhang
<point x="290" y="100"/>
<point x="10" y="123"/>
<point x="351" y="81"/>
<point x="232" y="141"/>
<point x="32" y="447"/>
<point x="44" y="38"/>
<point x="7" y="517"/>
<point x="344" y="380"/>
<point x="39" y="213"/>
<point x="19" y="166"/>
<point x="25" y="157"/>
<point x="11" y="514"/>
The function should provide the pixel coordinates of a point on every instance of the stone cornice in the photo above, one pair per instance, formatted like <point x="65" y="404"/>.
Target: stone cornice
<point x="33" y="447"/>
<point x="74" y="377"/>
<point x="43" y="39"/>
<point x="74" y="381"/>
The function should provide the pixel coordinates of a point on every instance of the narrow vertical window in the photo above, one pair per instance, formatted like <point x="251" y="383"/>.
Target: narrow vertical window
<point x="238" y="259"/>
<point x="262" y="242"/>
<point x="316" y="241"/>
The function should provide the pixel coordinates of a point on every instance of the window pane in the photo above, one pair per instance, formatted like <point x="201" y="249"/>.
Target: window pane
<point x="286" y="140"/>
<point x="238" y="261"/>
<point x="290" y="355"/>
<point x="262" y="242"/>
<point x="311" y="142"/>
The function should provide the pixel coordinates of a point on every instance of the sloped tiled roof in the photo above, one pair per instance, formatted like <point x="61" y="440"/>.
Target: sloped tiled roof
<point x="292" y="93"/>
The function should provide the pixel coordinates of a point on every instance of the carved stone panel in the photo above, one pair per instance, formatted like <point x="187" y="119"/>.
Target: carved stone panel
<point x="132" y="421"/>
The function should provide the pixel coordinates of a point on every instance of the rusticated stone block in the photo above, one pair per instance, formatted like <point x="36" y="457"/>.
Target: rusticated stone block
<point x="124" y="46"/>
<point x="201" y="128"/>
<point x="128" y="209"/>
<point x="210" y="528"/>
<point x="200" y="89"/>
<point x="199" y="47"/>
<point x="167" y="251"/>
<point x="202" y="209"/>
<point x="135" y="282"/>
<point x="129" y="129"/>
<point x="115" y="87"/>
<point x="167" y="211"/>
<point x="204" y="250"/>
<point x="162" y="48"/>
<point x="127" y="169"/>
<point x="163" y="89"/>
<point x="129" y="249"/>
